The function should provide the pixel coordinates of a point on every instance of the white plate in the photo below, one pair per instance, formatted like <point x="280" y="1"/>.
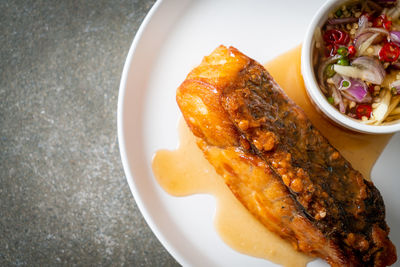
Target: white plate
<point x="173" y="38"/>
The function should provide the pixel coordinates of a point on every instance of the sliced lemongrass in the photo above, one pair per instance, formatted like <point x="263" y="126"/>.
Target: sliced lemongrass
<point x="381" y="111"/>
<point x="395" y="111"/>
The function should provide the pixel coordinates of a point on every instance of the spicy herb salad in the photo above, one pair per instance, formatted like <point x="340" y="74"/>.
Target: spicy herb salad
<point x="357" y="60"/>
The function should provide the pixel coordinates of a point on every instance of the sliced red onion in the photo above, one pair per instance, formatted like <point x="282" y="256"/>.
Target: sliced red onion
<point x="362" y="24"/>
<point x="370" y="75"/>
<point x="337" y="21"/>
<point x="372" y="30"/>
<point x="367" y="37"/>
<point x="355" y="98"/>
<point x="369" y="63"/>
<point x="338" y="100"/>
<point x="360" y="39"/>
<point x="395" y="84"/>
<point x="367" y="43"/>
<point x="395" y="37"/>
<point x="377" y="30"/>
<point x="357" y="91"/>
<point x="374" y="71"/>
<point x="337" y="79"/>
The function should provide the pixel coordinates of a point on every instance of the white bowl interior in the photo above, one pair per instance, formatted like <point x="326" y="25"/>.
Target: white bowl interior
<point x="315" y="94"/>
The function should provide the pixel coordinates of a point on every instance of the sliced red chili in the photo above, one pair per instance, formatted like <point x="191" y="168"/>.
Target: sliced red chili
<point x="382" y="22"/>
<point x="363" y="110"/>
<point x="352" y="50"/>
<point x="387" y="25"/>
<point x="378" y="21"/>
<point x="389" y="52"/>
<point x="336" y="37"/>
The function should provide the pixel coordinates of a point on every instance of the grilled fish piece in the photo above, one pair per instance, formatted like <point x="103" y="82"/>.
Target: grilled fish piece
<point x="279" y="166"/>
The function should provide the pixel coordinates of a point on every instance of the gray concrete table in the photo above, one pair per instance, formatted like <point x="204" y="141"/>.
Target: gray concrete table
<point x="64" y="199"/>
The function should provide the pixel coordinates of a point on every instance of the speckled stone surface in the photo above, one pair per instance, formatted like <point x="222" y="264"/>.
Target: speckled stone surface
<point x="64" y="199"/>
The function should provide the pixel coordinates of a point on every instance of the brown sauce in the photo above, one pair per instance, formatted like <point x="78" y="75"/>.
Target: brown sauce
<point x="361" y="150"/>
<point x="185" y="171"/>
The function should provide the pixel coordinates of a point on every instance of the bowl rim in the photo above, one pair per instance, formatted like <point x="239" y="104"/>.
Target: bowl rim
<point x="315" y="94"/>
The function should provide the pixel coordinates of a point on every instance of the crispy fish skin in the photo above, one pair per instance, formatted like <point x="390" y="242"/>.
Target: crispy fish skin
<point x="279" y="166"/>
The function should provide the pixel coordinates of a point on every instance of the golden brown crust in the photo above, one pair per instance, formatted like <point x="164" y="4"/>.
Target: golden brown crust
<point x="279" y="166"/>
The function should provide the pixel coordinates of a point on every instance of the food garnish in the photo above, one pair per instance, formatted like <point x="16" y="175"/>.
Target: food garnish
<point x="359" y="44"/>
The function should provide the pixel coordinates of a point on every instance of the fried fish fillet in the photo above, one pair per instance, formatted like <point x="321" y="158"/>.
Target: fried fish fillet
<point x="279" y="166"/>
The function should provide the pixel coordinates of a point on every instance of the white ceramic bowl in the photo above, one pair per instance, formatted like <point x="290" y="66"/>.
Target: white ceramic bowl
<point x="315" y="94"/>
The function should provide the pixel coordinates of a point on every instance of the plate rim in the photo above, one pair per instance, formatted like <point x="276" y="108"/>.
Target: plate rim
<point x="128" y="170"/>
<point x="121" y="137"/>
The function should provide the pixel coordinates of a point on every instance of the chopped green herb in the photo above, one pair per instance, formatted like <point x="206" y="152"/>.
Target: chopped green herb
<point x="330" y="100"/>
<point x="343" y="61"/>
<point x="345" y="84"/>
<point x="394" y="91"/>
<point x="338" y="13"/>
<point x="343" y="51"/>
<point x="329" y="71"/>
